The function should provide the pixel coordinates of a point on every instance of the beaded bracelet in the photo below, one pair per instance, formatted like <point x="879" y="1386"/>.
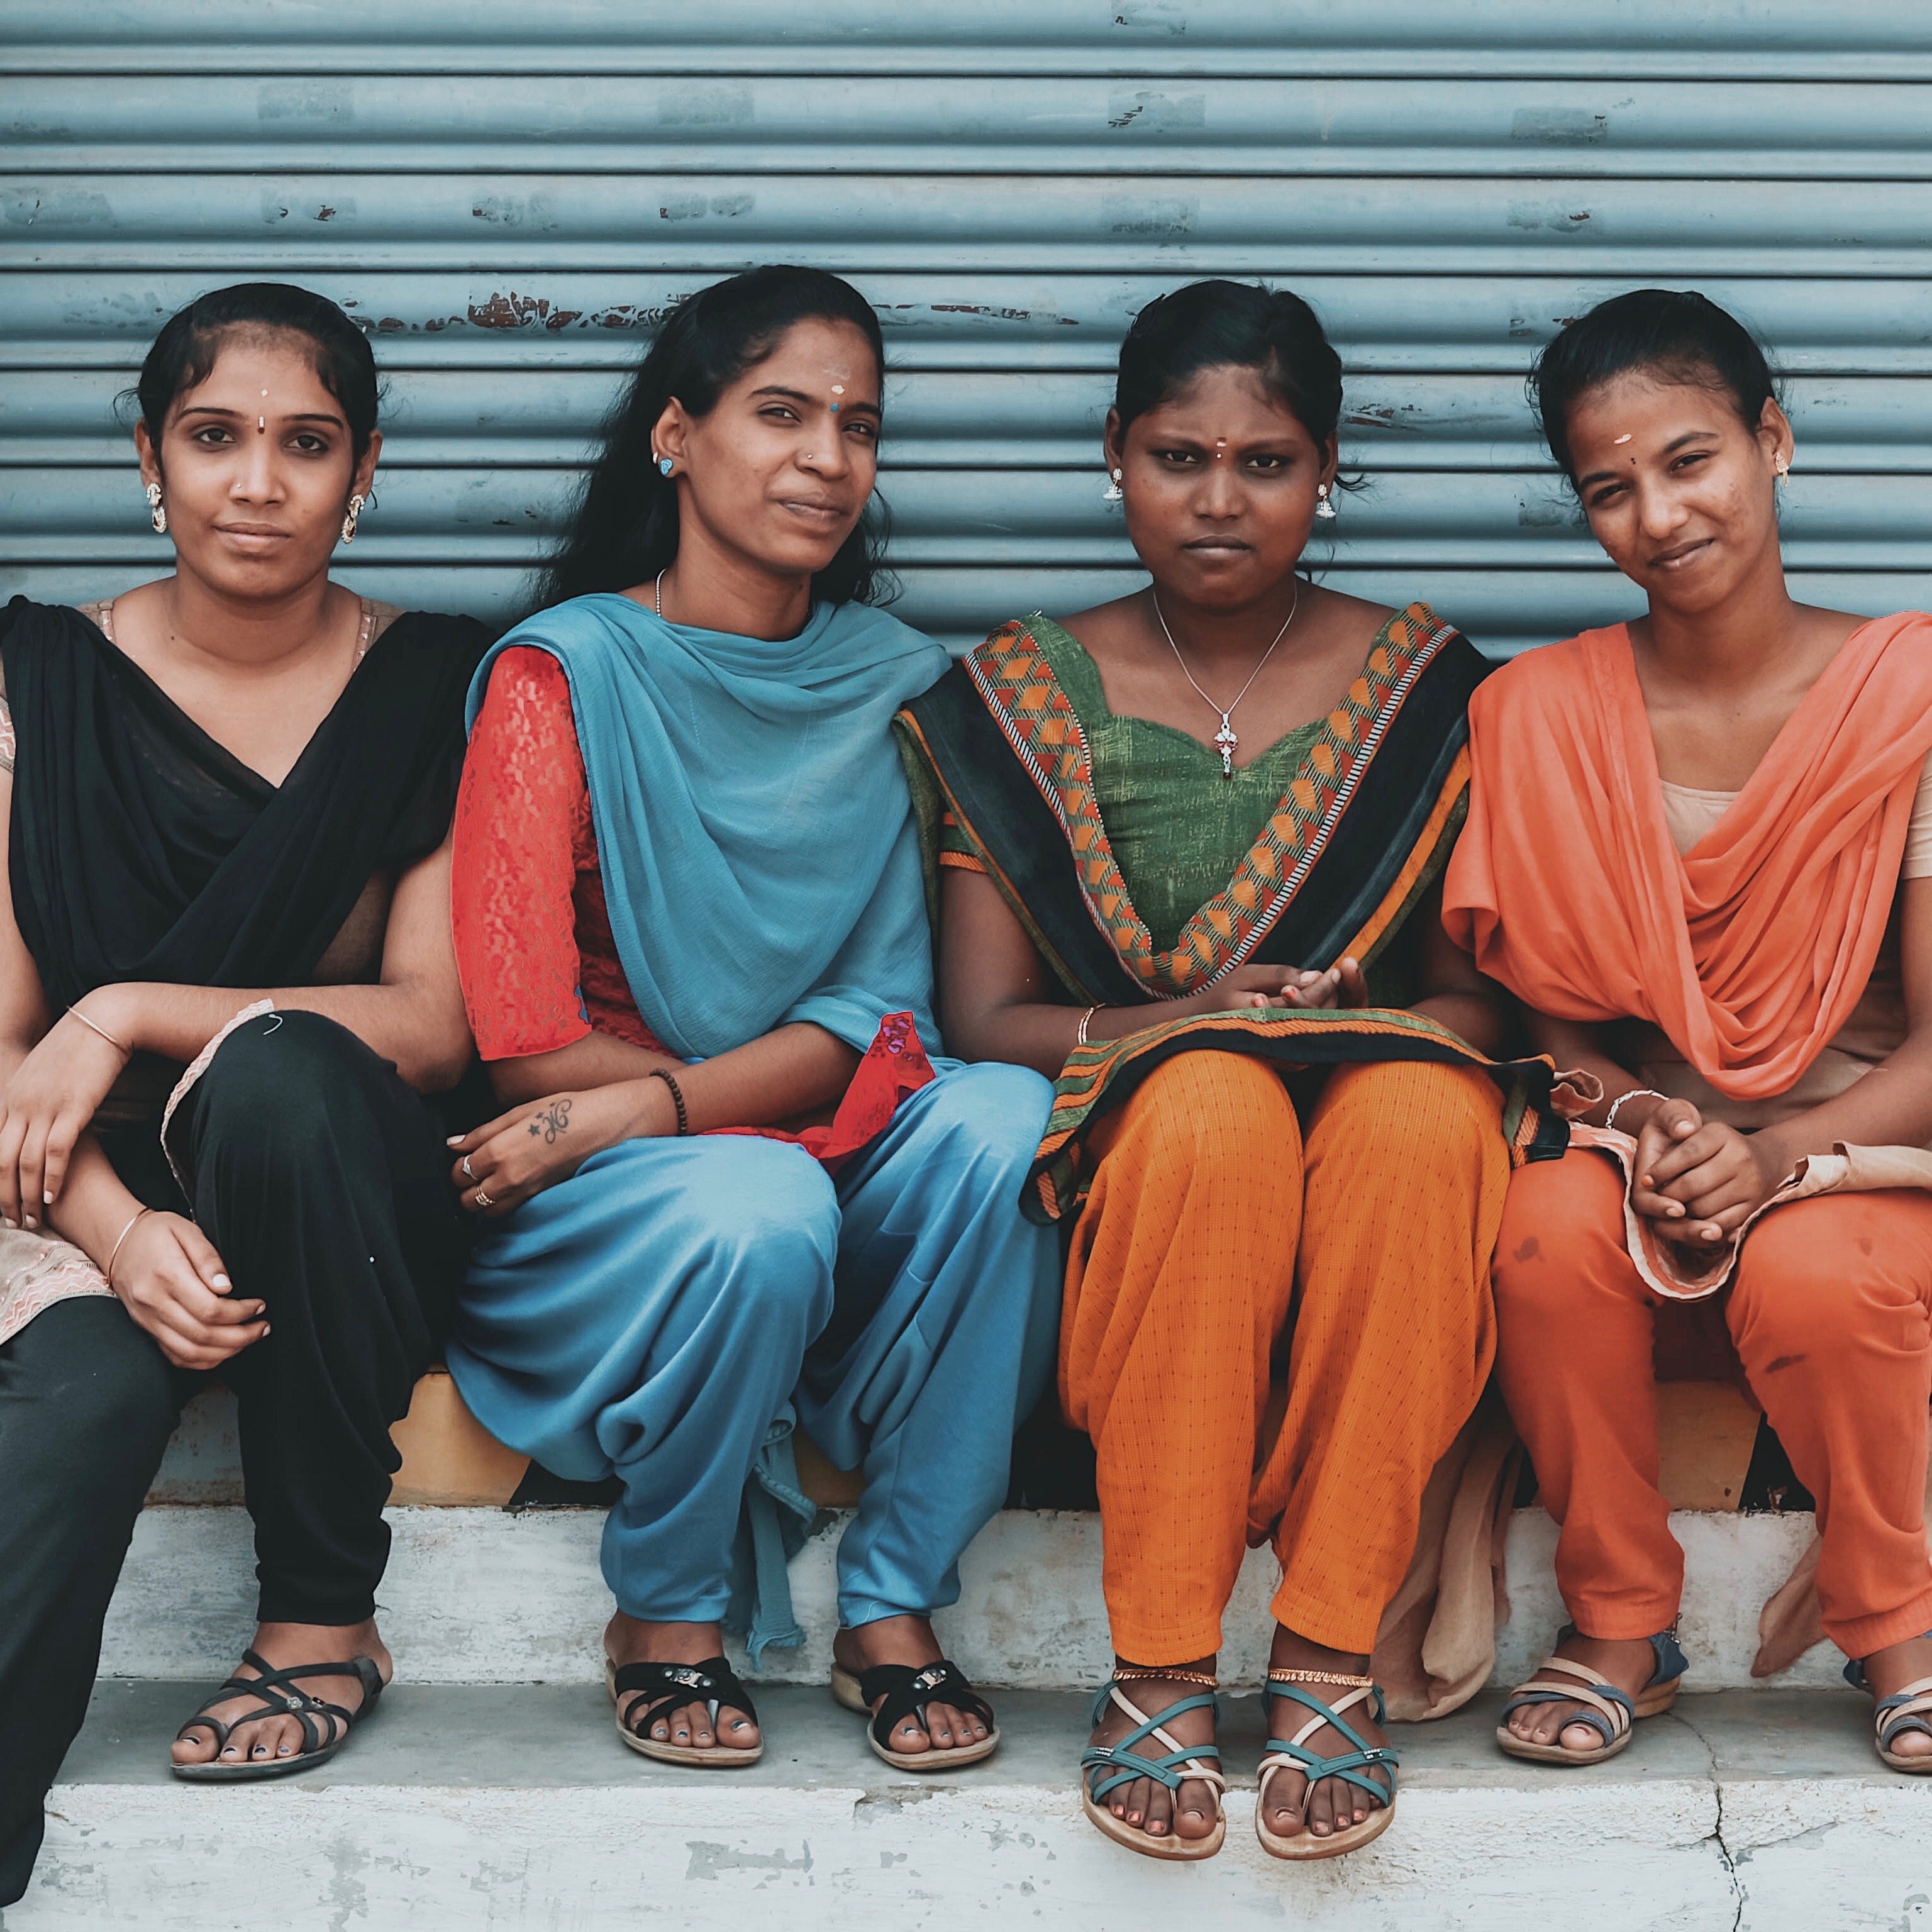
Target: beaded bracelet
<point x="676" y="1098"/>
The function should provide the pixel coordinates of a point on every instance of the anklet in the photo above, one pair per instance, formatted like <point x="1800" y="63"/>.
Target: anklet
<point x="1135" y="1673"/>
<point x="1277" y="1676"/>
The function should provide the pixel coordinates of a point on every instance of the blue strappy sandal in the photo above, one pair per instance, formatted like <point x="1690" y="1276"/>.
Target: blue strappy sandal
<point x="1105" y="1768"/>
<point x="1907" y="1710"/>
<point x="1608" y="1710"/>
<point x="1355" y="1767"/>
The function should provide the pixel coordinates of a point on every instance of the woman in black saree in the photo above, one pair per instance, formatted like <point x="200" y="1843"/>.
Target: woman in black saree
<point x="225" y="985"/>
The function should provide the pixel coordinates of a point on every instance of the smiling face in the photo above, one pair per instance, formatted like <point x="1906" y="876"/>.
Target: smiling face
<point x="1679" y="491"/>
<point x="1220" y="484"/>
<point x="257" y="467"/>
<point x="781" y="469"/>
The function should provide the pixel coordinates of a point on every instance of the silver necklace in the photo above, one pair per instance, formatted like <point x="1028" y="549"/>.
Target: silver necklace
<point x="1227" y="738"/>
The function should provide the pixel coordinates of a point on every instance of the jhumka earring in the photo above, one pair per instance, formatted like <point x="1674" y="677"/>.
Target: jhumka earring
<point x="1323" y="507"/>
<point x="157" y="515"/>
<point x="349" y="522"/>
<point x="1113" y="494"/>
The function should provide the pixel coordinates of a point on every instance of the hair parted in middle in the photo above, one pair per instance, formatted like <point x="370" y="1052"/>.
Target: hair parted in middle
<point x="624" y="528"/>
<point x="1224" y="324"/>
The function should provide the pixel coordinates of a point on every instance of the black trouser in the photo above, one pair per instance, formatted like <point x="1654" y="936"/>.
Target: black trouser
<point x="323" y="1182"/>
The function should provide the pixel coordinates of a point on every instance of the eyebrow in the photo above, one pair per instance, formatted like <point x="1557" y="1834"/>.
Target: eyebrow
<point x="847" y="406"/>
<point x="1675" y="443"/>
<point x="239" y="415"/>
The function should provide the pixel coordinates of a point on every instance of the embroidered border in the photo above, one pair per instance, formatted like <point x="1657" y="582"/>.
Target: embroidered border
<point x="1018" y="685"/>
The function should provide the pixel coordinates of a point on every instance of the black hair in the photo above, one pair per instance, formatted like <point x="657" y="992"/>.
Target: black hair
<point x="1223" y="325"/>
<point x="184" y="354"/>
<point x="1674" y="333"/>
<point x="624" y="528"/>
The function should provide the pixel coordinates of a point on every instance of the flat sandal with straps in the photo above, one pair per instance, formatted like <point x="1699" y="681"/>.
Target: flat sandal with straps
<point x="280" y="1697"/>
<point x="1607" y="1710"/>
<point x="1105" y="1768"/>
<point x="1357" y="1766"/>
<point x="665" y="1687"/>
<point x="902" y="1691"/>
<point x="1910" y="1709"/>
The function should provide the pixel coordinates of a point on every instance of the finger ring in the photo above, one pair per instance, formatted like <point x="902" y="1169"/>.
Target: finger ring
<point x="483" y="1200"/>
<point x="469" y="1173"/>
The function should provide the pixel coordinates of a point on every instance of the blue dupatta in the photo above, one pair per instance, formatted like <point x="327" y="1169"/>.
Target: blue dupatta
<point x="755" y="829"/>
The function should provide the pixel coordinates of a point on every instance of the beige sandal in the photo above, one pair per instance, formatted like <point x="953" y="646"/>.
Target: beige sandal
<point x="1607" y="1710"/>
<point x="1105" y="1768"/>
<point x="1907" y="1710"/>
<point x="713" y="1683"/>
<point x="1356" y="1767"/>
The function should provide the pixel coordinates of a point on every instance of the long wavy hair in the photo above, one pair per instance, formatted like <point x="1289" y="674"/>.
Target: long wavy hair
<point x="624" y="528"/>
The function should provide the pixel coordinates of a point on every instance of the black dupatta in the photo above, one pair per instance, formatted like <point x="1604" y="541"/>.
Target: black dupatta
<point x="141" y="850"/>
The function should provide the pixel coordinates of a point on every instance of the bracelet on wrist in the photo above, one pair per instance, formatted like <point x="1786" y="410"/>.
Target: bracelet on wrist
<point x="114" y="1252"/>
<point x="1635" y="1093"/>
<point x="677" y="1097"/>
<point x="1080" y="1032"/>
<point x="94" y="1026"/>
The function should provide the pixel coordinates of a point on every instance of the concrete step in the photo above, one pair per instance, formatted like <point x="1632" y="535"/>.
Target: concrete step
<point x="477" y="1809"/>
<point x="491" y="1596"/>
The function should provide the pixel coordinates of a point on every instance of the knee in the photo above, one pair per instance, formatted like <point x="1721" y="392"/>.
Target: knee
<point x="1224" y="1112"/>
<point x="117" y="1385"/>
<point x="774" y="1246"/>
<point x="991" y="1115"/>
<point x="1562" y="1229"/>
<point x="1798" y="1298"/>
<point x="1433" y="1120"/>
<point x="273" y="1091"/>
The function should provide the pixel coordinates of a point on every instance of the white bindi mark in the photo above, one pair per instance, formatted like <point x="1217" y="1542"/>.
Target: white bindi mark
<point x="1624" y="438"/>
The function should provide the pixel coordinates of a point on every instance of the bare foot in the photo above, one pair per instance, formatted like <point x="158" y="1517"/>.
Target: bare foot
<point x="628" y="1640"/>
<point x="1334" y="1804"/>
<point x="264" y="1735"/>
<point x="1630" y="1663"/>
<point x="1890" y="1670"/>
<point x="1193" y="1810"/>
<point x="908" y="1640"/>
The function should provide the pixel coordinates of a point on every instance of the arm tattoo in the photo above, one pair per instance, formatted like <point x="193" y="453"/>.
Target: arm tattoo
<point x="554" y="1119"/>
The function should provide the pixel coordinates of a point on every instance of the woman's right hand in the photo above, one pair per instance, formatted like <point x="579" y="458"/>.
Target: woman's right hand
<point x="172" y="1282"/>
<point x="1668" y="1124"/>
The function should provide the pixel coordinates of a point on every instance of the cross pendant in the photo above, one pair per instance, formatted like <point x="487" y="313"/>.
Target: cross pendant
<point x="1225" y="739"/>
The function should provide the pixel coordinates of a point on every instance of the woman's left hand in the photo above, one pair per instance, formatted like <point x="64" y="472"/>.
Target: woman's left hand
<point x="1721" y="1176"/>
<point x="46" y="1106"/>
<point x="503" y="1163"/>
<point x="1343" y="985"/>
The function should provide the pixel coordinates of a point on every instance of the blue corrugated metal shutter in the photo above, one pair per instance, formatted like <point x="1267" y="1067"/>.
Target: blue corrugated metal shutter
<point x="508" y="194"/>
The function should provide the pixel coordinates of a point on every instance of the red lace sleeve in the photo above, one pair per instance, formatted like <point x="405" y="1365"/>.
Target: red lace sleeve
<point x="522" y="796"/>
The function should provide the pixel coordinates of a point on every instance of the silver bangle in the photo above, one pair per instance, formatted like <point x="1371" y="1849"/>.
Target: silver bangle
<point x="1080" y="1032"/>
<point x="94" y="1026"/>
<point x="1635" y="1093"/>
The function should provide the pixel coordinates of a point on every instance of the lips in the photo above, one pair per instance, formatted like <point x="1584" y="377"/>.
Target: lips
<point x="1685" y="553"/>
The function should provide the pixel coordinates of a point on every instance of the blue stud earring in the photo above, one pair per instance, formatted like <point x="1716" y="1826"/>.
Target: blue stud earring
<point x="664" y="466"/>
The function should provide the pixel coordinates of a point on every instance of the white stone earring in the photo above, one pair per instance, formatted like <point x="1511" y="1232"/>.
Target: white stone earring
<point x="157" y="515"/>
<point x="1781" y="464"/>
<point x="355" y="503"/>
<point x="1323" y="507"/>
<point x="1113" y="494"/>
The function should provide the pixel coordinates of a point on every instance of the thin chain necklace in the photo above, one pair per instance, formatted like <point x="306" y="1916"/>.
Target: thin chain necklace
<point x="1227" y="738"/>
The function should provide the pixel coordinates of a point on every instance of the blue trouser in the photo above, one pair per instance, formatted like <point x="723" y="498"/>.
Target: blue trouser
<point x="651" y="1316"/>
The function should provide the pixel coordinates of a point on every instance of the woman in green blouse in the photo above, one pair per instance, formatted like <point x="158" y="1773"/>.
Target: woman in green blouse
<point x="1179" y="837"/>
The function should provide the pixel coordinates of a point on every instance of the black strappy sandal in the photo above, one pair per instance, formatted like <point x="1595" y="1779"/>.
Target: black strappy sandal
<point x="281" y="1698"/>
<point x="713" y="1682"/>
<point x="907" y="1691"/>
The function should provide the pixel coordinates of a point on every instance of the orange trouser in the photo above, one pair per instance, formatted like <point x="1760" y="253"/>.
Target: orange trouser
<point x="1829" y="1317"/>
<point x="1211" y="1227"/>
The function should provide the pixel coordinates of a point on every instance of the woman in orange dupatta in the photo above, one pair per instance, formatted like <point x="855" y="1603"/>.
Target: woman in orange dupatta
<point x="1699" y="851"/>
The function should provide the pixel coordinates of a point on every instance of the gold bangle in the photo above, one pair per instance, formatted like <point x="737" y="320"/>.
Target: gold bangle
<point x="114" y="1253"/>
<point x="120" y="1045"/>
<point x="1080" y="1032"/>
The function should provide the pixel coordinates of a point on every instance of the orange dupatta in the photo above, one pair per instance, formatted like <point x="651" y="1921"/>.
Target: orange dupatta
<point x="1750" y="950"/>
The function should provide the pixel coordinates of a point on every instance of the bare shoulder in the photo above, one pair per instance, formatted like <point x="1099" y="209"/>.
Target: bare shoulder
<point x="1103" y="627"/>
<point x="1354" y="622"/>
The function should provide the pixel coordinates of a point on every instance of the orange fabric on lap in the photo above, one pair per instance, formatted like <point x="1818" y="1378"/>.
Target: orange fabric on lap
<point x="1750" y="950"/>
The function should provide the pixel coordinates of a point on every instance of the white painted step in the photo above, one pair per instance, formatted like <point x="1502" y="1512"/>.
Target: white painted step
<point x="516" y="1809"/>
<point x="488" y="1596"/>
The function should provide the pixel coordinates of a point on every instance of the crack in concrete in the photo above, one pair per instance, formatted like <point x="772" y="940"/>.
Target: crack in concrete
<point x="1738" y="1893"/>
